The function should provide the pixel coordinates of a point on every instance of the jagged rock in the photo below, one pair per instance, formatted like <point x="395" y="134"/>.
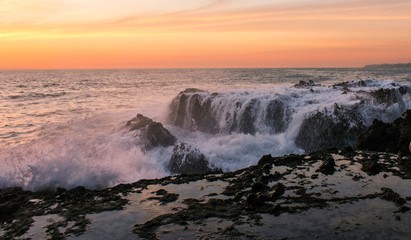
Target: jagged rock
<point x="338" y="129"/>
<point x="390" y="195"/>
<point x="303" y="84"/>
<point x="187" y="159"/>
<point x="371" y="166"/>
<point x="138" y="122"/>
<point x="151" y="134"/>
<point x="388" y="137"/>
<point x="328" y="166"/>
<point x="277" y="190"/>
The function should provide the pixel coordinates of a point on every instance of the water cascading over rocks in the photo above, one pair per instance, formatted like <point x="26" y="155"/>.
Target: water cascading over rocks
<point x="198" y="110"/>
<point x="313" y="116"/>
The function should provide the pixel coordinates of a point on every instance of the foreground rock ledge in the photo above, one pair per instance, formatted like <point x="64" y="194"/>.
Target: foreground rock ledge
<point x="332" y="194"/>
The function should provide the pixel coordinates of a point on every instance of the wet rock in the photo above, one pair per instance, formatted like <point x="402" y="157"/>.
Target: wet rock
<point x="248" y="118"/>
<point x="353" y="84"/>
<point x="371" y="166"/>
<point x="386" y="96"/>
<point x="187" y="159"/>
<point x="138" y="122"/>
<point x="164" y="197"/>
<point x="328" y="166"/>
<point x="276" y="191"/>
<point x="278" y="115"/>
<point x="304" y="84"/>
<point x="390" y="195"/>
<point x="151" y="134"/>
<point x="388" y="137"/>
<point x="266" y="159"/>
<point x="258" y="187"/>
<point x="191" y="109"/>
<point x="336" y="129"/>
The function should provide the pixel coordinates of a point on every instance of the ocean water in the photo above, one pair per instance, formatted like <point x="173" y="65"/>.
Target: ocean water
<point x="67" y="128"/>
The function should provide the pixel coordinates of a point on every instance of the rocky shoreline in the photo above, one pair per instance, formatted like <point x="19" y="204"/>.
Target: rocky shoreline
<point x="337" y="193"/>
<point x="365" y="192"/>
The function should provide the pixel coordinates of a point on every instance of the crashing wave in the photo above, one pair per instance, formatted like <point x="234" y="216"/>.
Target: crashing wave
<point x="315" y="116"/>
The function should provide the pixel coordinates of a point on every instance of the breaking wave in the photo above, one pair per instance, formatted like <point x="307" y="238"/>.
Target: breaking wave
<point x="233" y="129"/>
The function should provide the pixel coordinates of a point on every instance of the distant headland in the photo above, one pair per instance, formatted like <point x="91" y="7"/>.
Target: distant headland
<point x="389" y="66"/>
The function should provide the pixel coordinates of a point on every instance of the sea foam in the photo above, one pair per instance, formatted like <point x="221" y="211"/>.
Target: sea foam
<point x="232" y="128"/>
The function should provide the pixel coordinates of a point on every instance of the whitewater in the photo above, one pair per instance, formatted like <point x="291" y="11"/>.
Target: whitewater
<point x="68" y="128"/>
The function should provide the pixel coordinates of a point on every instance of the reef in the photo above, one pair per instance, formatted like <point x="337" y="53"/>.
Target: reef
<point x="335" y="193"/>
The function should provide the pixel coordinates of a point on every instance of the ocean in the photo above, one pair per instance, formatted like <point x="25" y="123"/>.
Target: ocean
<point x="67" y="128"/>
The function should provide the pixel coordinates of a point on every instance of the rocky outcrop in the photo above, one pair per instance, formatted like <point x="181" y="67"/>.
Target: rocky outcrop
<point x="337" y="129"/>
<point x="278" y="115"/>
<point x="151" y="134"/>
<point x="191" y="109"/>
<point x="388" y="137"/>
<point x="246" y="203"/>
<point x="197" y="110"/>
<point x="304" y="84"/>
<point x="187" y="159"/>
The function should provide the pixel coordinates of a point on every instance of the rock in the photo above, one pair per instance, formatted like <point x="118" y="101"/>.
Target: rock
<point x="248" y="118"/>
<point x="164" y="197"/>
<point x="191" y="109"/>
<point x="304" y="84"/>
<point x="266" y="159"/>
<point x="371" y="166"/>
<point x="258" y="187"/>
<point x="187" y="159"/>
<point x="197" y="110"/>
<point x="277" y="190"/>
<point x="336" y="128"/>
<point x="151" y="134"/>
<point x="139" y="122"/>
<point x="390" y="195"/>
<point x="388" y="137"/>
<point x="328" y="166"/>
<point x="278" y="115"/>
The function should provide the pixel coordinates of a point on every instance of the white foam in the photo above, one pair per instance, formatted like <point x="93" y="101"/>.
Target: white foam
<point x="98" y="152"/>
<point x="93" y="153"/>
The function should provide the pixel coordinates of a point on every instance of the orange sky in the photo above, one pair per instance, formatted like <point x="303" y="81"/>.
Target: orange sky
<point x="48" y="34"/>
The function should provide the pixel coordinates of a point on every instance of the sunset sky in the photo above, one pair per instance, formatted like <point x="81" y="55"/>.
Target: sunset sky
<point x="59" y="34"/>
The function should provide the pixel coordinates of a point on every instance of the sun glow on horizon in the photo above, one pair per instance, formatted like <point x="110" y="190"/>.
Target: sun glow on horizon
<point x="40" y="34"/>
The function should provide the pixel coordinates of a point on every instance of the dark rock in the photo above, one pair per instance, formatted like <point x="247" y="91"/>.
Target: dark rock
<point x="201" y="111"/>
<point x="266" y="159"/>
<point x="151" y="134"/>
<point x="385" y="96"/>
<point x="138" y="122"/>
<point x="277" y="190"/>
<point x="248" y="118"/>
<point x="328" y="166"/>
<point x="164" y="196"/>
<point x="388" y="137"/>
<point x="188" y="160"/>
<point x="304" y="84"/>
<point x="251" y="199"/>
<point x="339" y="129"/>
<point x="291" y="160"/>
<point x="390" y="195"/>
<point x="278" y="115"/>
<point x="258" y="187"/>
<point x="371" y="166"/>
<point x="191" y="109"/>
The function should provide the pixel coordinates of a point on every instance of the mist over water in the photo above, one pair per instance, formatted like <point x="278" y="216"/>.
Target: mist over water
<point x="67" y="128"/>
